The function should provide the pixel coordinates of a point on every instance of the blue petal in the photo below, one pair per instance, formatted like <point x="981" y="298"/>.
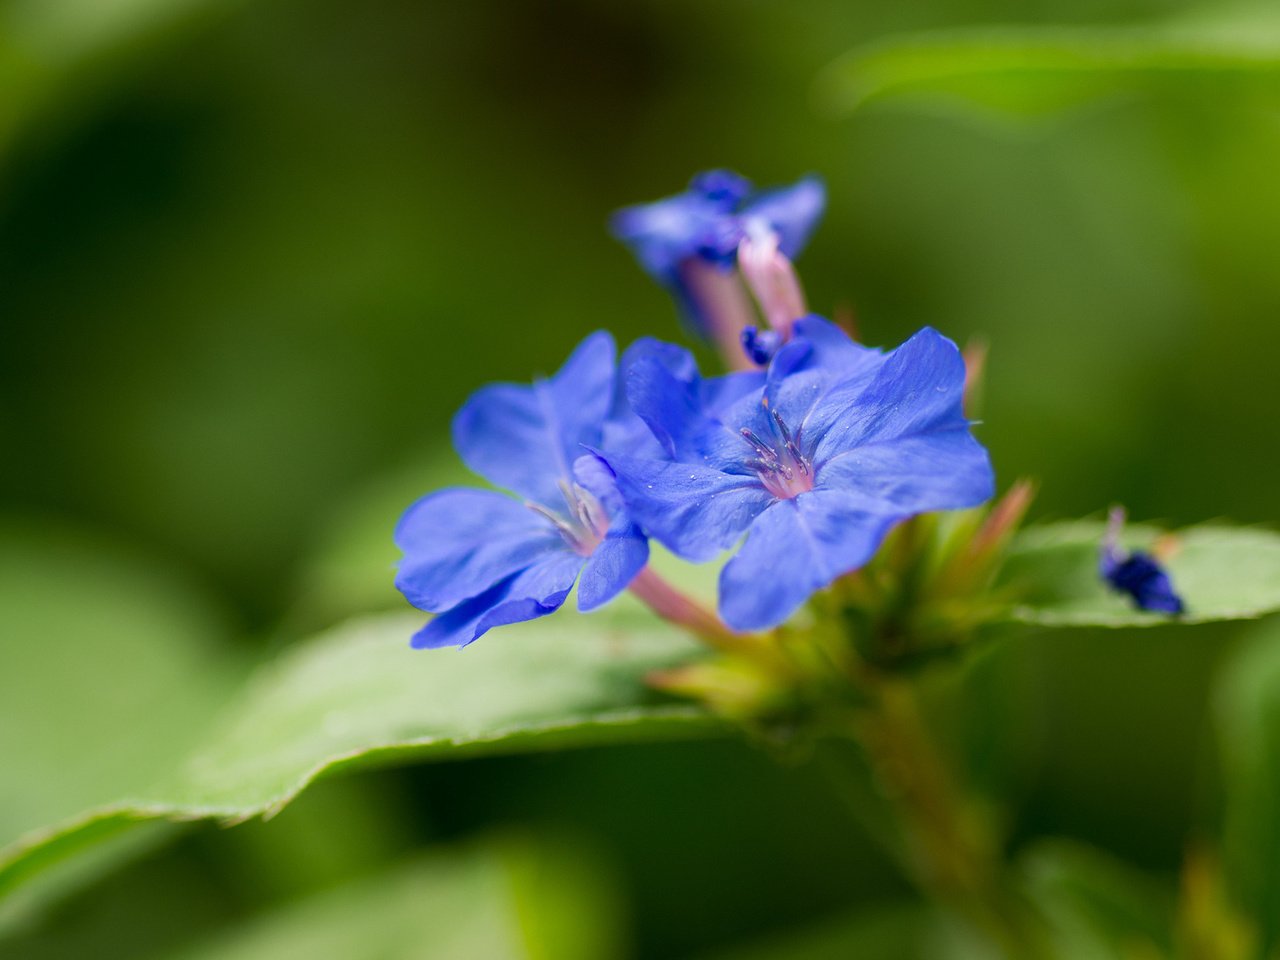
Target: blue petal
<point x="944" y="470"/>
<point x="625" y="549"/>
<point x="525" y="438"/>
<point x="821" y="362"/>
<point x="683" y="414"/>
<point x="667" y="404"/>
<point x="919" y="389"/>
<point x="665" y="233"/>
<point x="533" y="593"/>
<point x="793" y="549"/>
<point x="792" y="211"/>
<point x="724" y="188"/>
<point x="458" y="543"/>
<point x="676" y="359"/>
<point x="833" y="348"/>
<point x="593" y="473"/>
<point x="695" y="511"/>
<point x="612" y="565"/>
<point x="624" y="431"/>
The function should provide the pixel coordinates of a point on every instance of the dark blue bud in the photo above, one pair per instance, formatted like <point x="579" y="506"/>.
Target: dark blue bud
<point x="1135" y="573"/>
<point x="760" y="345"/>
<point x="1144" y="580"/>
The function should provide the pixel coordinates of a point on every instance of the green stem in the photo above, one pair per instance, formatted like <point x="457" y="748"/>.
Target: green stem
<point x="950" y="849"/>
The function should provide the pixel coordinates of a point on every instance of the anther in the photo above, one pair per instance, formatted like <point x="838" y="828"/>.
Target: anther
<point x="558" y="521"/>
<point x="766" y="451"/>
<point x="782" y="428"/>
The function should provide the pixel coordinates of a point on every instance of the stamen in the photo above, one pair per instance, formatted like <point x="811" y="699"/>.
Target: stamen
<point x="586" y="523"/>
<point x="765" y="450"/>
<point x="783" y="469"/>
<point x="566" y="491"/>
<point x="590" y="511"/>
<point x="558" y="521"/>
<point x="782" y="427"/>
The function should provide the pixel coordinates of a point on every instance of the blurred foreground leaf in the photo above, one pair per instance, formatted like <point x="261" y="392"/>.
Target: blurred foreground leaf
<point x="899" y="930"/>
<point x="1094" y="905"/>
<point x="506" y="899"/>
<point x="1223" y="573"/>
<point x="1247" y="707"/>
<point x="110" y="668"/>
<point x="1042" y="69"/>
<point x="888" y="931"/>
<point x="46" y="46"/>
<point x="151" y="725"/>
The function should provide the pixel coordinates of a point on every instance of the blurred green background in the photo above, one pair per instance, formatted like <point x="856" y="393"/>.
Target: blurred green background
<point x="253" y="255"/>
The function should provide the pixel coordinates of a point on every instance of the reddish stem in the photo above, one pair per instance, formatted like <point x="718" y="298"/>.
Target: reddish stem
<point x="676" y="607"/>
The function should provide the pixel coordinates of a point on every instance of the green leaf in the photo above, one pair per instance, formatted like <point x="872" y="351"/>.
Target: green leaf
<point x="1247" y="714"/>
<point x="359" y="694"/>
<point x="1222" y="573"/>
<point x="146" y="728"/>
<point x="505" y="899"/>
<point x="110" y="668"/>
<point x="1043" y="69"/>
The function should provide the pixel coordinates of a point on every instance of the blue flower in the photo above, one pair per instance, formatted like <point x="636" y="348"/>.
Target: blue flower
<point x="689" y="242"/>
<point x="1136" y="573"/>
<point x="479" y="559"/>
<point x="814" y="465"/>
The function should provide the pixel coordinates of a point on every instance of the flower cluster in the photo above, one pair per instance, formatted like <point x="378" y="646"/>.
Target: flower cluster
<point x="796" y="464"/>
<point x="813" y="459"/>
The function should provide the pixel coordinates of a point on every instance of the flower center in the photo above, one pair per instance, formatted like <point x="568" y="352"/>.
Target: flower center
<point x="586" y="523"/>
<point x="781" y="467"/>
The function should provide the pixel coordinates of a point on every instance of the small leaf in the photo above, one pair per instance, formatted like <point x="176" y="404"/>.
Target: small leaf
<point x="1222" y="573"/>
<point x="465" y="904"/>
<point x="1044" y="69"/>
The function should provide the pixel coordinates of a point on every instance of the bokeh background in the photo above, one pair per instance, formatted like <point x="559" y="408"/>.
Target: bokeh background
<point x="254" y="254"/>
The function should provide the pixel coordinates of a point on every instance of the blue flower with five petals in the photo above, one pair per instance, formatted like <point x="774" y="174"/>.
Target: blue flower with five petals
<point x="683" y="241"/>
<point x="814" y="465"/>
<point x="480" y="559"/>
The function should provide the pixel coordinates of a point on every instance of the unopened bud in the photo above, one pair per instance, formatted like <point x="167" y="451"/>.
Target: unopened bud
<point x="771" y="279"/>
